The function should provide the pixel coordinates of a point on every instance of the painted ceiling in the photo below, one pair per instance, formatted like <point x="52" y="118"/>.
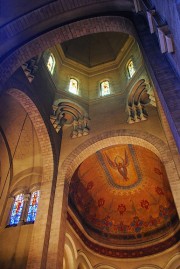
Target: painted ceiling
<point x="121" y="195"/>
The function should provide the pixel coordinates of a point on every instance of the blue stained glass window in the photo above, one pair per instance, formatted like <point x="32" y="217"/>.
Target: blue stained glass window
<point x="32" y="211"/>
<point x="17" y="209"/>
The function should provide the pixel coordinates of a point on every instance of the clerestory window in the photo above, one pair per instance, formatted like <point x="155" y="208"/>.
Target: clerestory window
<point x="105" y="88"/>
<point x="130" y="68"/>
<point x="51" y="63"/>
<point x="73" y="86"/>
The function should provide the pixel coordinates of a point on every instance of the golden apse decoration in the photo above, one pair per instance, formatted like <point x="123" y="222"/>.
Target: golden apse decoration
<point x="122" y="196"/>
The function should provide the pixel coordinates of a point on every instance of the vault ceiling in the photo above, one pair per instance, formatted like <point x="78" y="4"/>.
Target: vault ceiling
<point x="121" y="195"/>
<point x="95" y="49"/>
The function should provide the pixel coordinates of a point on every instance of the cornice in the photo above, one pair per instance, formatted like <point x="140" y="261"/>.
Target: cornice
<point x="96" y="70"/>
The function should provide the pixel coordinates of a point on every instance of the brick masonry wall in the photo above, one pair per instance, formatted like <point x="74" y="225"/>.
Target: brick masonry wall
<point x="59" y="35"/>
<point x="78" y="155"/>
<point x="39" y="247"/>
<point x="41" y="230"/>
<point x="167" y="82"/>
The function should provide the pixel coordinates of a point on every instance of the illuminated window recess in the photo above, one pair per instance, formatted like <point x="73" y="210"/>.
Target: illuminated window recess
<point x="105" y="88"/>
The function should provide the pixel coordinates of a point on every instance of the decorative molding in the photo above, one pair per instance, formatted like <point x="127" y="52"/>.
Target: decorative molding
<point x="100" y="69"/>
<point x="66" y="112"/>
<point x="140" y="96"/>
<point x="30" y="68"/>
<point x="125" y="253"/>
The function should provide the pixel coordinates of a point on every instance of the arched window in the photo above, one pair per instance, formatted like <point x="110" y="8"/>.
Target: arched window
<point x="17" y="209"/>
<point x="73" y="86"/>
<point x="23" y="209"/>
<point x="51" y="63"/>
<point x="130" y="68"/>
<point x="105" y="88"/>
<point x="33" y="205"/>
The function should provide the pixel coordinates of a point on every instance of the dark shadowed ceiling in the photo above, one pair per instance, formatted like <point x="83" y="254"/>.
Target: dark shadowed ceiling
<point x="95" y="49"/>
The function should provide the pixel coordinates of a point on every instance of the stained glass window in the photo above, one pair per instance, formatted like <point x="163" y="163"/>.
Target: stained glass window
<point x="51" y="63"/>
<point x="131" y="69"/>
<point x="32" y="210"/>
<point x="73" y="86"/>
<point x="17" y="209"/>
<point x="105" y="88"/>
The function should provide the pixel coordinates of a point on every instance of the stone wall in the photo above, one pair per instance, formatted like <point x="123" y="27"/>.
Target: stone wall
<point x="170" y="12"/>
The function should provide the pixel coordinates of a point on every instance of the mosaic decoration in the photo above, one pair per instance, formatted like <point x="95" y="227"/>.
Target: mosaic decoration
<point x="32" y="211"/>
<point x="125" y="253"/>
<point x="67" y="113"/>
<point x="122" y="193"/>
<point x="17" y="209"/>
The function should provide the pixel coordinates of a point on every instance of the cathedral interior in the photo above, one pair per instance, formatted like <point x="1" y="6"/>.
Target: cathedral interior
<point x="90" y="134"/>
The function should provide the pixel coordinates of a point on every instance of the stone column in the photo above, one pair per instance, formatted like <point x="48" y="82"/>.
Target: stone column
<point x="58" y="227"/>
<point x="25" y="209"/>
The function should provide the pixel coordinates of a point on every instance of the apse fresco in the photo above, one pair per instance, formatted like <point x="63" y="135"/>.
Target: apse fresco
<point x="122" y="193"/>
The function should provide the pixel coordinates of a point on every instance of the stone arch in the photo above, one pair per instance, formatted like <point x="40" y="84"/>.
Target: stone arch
<point x="39" y="125"/>
<point x="61" y="34"/>
<point x="110" y="138"/>
<point x="104" y="266"/>
<point x="149" y="266"/>
<point x="70" y="253"/>
<point x="124" y="136"/>
<point x="82" y="261"/>
<point x="47" y="178"/>
<point x="174" y="262"/>
<point x="137" y="99"/>
<point x="90" y="146"/>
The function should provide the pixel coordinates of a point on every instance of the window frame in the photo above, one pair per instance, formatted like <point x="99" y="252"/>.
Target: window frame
<point x="12" y="208"/>
<point x="127" y="68"/>
<point x="29" y="205"/>
<point x="27" y="196"/>
<point x="51" y="68"/>
<point x="77" y="91"/>
<point x="101" y="88"/>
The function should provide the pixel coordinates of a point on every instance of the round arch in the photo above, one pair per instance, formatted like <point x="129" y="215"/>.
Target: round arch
<point x="36" y="46"/>
<point x="174" y="262"/>
<point x="82" y="261"/>
<point x="90" y="146"/>
<point x="104" y="266"/>
<point x="149" y="266"/>
<point x="39" y="230"/>
<point x="110" y="138"/>
<point x="70" y="253"/>
<point x="61" y="34"/>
